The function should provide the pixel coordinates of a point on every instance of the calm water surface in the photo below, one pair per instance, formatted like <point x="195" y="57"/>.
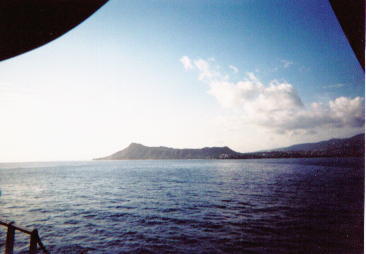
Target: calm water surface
<point x="187" y="206"/>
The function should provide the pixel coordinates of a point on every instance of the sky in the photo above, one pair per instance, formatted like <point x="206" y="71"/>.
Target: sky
<point x="250" y="75"/>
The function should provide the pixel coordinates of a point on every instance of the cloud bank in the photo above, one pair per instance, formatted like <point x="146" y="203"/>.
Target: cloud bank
<point x="276" y="106"/>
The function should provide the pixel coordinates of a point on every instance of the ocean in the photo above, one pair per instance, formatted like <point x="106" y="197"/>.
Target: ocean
<point x="187" y="206"/>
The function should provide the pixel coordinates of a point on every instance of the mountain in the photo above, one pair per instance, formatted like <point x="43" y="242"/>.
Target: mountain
<point x="137" y="151"/>
<point x="354" y="146"/>
<point x="346" y="146"/>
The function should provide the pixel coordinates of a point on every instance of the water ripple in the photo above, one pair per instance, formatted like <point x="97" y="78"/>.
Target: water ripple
<point x="251" y="206"/>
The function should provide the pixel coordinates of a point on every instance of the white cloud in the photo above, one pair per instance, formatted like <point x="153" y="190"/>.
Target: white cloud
<point x="286" y="63"/>
<point x="339" y="85"/>
<point x="277" y="106"/>
<point x="207" y="71"/>
<point x="187" y="64"/>
<point x="234" y="68"/>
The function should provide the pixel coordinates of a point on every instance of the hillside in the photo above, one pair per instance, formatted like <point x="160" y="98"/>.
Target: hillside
<point x="354" y="146"/>
<point x="138" y="151"/>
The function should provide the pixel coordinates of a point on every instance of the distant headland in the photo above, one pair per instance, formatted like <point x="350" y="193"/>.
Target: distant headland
<point x="347" y="147"/>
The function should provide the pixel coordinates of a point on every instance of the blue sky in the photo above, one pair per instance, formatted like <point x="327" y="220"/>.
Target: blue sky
<point x="117" y="78"/>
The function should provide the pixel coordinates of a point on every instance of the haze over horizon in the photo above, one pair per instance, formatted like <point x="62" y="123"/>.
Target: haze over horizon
<point x="250" y="75"/>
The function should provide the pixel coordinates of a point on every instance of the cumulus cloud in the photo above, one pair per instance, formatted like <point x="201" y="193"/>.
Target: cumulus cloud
<point x="277" y="105"/>
<point x="186" y="62"/>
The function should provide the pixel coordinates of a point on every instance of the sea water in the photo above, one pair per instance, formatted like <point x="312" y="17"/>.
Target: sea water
<point x="187" y="206"/>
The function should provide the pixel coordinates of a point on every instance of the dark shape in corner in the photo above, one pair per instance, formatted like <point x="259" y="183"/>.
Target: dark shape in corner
<point x="28" y="24"/>
<point x="351" y="16"/>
